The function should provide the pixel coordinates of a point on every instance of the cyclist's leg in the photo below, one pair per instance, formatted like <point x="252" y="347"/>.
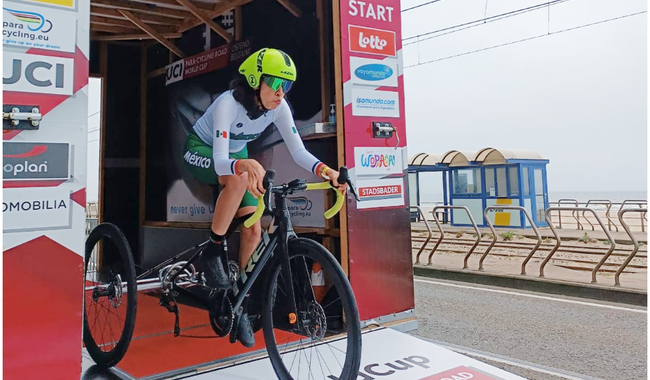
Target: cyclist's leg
<point x="232" y="191"/>
<point x="198" y="160"/>
<point x="249" y="237"/>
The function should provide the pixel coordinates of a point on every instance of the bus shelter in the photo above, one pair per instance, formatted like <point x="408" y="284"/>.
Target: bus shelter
<point x="487" y="178"/>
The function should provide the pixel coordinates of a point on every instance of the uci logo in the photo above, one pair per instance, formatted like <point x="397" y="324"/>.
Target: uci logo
<point x="36" y="74"/>
<point x="175" y="72"/>
<point x="373" y="72"/>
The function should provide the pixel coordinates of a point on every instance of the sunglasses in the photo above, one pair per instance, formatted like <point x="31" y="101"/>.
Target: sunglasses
<point x="275" y="83"/>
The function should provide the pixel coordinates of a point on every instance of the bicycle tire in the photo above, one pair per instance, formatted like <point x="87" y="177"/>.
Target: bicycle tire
<point x="116" y="267"/>
<point x="302" y="254"/>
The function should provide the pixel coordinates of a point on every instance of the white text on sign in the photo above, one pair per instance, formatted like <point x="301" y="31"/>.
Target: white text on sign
<point x="368" y="10"/>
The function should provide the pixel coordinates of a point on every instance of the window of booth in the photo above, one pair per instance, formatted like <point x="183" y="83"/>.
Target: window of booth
<point x="502" y="181"/>
<point x="513" y="177"/>
<point x="490" y="187"/>
<point x="524" y="174"/>
<point x="466" y="181"/>
<point x="502" y="188"/>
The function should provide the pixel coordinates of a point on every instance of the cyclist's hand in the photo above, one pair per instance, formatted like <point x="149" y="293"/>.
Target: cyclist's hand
<point x="255" y="176"/>
<point x="334" y="178"/>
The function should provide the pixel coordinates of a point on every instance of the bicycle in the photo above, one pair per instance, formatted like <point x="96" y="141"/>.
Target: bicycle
<point x="297" y="313"/>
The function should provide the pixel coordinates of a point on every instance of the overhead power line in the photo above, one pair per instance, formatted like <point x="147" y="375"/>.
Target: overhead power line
<point x="471" y="24"/>
<point x="526" y="39"/>
<point x="421" y="5"/>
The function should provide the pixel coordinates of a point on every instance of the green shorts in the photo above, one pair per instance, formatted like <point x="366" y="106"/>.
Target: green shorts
<point x="197" y="156"/>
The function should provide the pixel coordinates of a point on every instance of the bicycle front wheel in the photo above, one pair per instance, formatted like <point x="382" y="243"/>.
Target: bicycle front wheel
<point x="110" y="295"/>
<point x="323" y="339"/>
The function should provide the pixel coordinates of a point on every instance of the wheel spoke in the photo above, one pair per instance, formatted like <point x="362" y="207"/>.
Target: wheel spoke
<point x="313" y="321"/>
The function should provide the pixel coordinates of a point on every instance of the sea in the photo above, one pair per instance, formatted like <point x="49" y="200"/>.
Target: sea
<point x="429" y="200"/>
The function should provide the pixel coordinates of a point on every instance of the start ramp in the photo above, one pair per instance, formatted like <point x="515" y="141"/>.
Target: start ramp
<point x="387" y="354"/>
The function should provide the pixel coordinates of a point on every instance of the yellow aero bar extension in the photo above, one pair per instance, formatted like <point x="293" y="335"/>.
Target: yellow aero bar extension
<point x="310" y="186"/>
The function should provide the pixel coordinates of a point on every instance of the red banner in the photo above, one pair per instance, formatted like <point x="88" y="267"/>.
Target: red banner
<point x="373" y="95"/>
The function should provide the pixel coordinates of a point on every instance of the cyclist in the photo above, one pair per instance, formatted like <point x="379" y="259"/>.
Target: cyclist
<point x="216" y="153"/>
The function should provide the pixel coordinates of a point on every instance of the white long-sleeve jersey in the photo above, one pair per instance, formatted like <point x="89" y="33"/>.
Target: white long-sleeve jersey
<point x="226" y="126"/>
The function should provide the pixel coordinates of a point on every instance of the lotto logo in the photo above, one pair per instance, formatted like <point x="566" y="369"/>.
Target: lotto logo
<point x="372" y="41"/>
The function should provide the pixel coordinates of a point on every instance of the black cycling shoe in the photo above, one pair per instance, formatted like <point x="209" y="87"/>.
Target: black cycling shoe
<point x="245" y="331"/>
<point x="244" y="327"/>
<point x="215" y="274"/>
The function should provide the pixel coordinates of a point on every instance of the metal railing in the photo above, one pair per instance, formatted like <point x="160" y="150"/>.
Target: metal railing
<point x="605" y="202"/>
<point x="640" y="203"/>
<point x="442" y="233"/>
<point x="621" y="213"/>
<point x="559" y="242"/>
<point x="494" y="235"/>
<point x="560" y="252"/>
<point x="426" y="223"/>
<point x="573" y="202"/>
<point x="576" y="222"/>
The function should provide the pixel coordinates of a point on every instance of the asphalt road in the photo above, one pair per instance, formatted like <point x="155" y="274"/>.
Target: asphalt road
<point x="534" y="335"/>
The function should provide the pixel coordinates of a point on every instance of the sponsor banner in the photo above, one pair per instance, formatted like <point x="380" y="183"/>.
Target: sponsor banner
<point x="372" y="41"/>
<point x="35" y="209"/>
<point x="182" y="206"/>
<point x="462" y="373"/>
<point x="35" y="161"/>
<point x="37" y="74"/>
<point x="377" y="161"/>
<point x="387" y="355"/>
<point x="373" y="72"/>
<point x="69" y="4"/>
<point x="375" y="103"/>
<point x="372" y="29"/>
<point x="205" y="62"/>
<point x="38" y="27"/>
<point x="199" y="64"/>
<point x="376" y="193"/>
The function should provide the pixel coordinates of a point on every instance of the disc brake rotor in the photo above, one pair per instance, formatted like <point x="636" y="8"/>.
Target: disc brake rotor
<point x="116" y="298"/>
<point x="315" y="321"/>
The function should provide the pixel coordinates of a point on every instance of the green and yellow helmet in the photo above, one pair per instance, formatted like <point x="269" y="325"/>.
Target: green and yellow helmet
<point x="268" y="61"/>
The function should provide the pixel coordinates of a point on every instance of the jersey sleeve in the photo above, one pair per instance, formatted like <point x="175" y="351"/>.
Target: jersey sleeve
<point x="287" y="128"/>
<point x="224" y="113"/>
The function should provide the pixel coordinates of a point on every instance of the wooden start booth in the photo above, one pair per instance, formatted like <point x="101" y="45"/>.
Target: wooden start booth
<point x="162" y="62"/>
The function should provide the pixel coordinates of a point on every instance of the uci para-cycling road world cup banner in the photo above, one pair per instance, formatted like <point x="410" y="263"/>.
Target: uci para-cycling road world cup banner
<point x="373" y="91"/>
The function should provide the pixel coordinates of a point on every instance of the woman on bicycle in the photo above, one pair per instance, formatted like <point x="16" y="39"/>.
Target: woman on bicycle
<point x="216" y="153"/>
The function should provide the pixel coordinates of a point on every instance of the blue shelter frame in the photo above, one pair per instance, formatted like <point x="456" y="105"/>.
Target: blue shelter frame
<point x="490" y="178"/>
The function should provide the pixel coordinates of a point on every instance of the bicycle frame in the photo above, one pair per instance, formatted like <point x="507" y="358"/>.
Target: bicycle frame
<point x="277" y="236"/>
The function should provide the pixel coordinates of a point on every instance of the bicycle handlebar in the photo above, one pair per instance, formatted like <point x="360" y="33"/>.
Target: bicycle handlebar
<point x="340" y="198"/>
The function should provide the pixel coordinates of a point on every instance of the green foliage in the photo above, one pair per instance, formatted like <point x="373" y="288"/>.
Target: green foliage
<point x="507" y="235"/>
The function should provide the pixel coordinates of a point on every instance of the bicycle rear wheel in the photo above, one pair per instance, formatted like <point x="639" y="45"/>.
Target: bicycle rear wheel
<point x="110" y="295"/>
<point x="313" y="344"/>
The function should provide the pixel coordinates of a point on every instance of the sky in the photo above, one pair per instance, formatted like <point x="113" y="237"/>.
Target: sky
<point x="578" y="98"/>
